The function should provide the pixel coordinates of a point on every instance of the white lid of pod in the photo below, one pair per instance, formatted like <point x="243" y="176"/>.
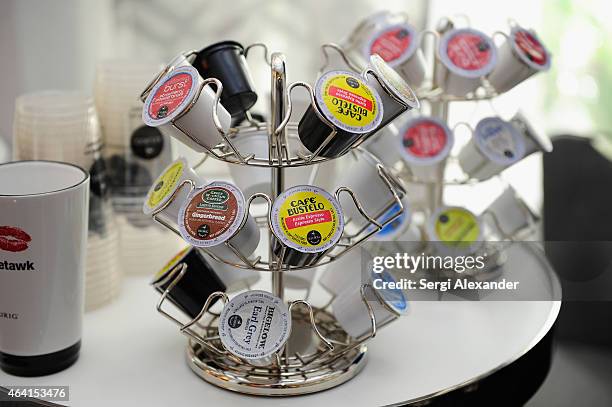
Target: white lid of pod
<point x="211" y="214"/>
<point x="307" y="218"/>
<point x="171" y="96"/>
<point x="425" y="140"/>
<point x="395" y="44"/>
<point x="499" y="141"/>
<point x="455" y="230"/>
<point x="254" y="325"/>
<point x="345" y="99"/>
<point x="393" y="82"/>
<point x="468" y="52"/>
<point x="164" y="186"/>
<point x="527" y="45"/>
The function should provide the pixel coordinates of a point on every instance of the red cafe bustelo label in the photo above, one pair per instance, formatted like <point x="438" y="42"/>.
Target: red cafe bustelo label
<point x="530" y="49"/>
<point x="425" y="141"/>
<point x="348" y="102"/>
<point x="395" y="44"/>
<point x="211" y="214"/>
<point x="172" y="94"/>
<point x="307" y="219"/>
<point x="468" y="52"/>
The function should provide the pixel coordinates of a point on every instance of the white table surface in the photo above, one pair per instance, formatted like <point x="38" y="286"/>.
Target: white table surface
<point x="131" y="353"/>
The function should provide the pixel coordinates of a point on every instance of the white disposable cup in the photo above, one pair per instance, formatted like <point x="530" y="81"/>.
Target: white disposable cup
<point x="520" y="56"/>
<point x="364" y="180"/>
<point x="535" y="139"/>
<point x="459" y="80"/>
<point x="171" y="179"/>
<point x="251" y="179"/>
<point x="181" y="87"/>
<point x="509" y="213"/>
<point x="245" y="240"/>
<point x="424" y="144"/>
<point x="446" y="243"/>
<point x="398" y="44"/>
<point x="494" y="146"/>
<point x="396" y="95"/>
<point x="351" y="311"/>
<point x="44" y="225"/>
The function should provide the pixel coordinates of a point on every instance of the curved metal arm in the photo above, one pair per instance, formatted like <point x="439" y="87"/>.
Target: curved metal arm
<point x="341" y="52"/>
<point x="255" y="45"/>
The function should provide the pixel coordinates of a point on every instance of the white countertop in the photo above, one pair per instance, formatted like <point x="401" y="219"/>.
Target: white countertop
<point x="131" y="353"/>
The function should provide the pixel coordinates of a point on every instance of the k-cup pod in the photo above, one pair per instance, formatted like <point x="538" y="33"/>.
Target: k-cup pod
<point x="343" y="99"/>
<point x="396" y="95"/>
<point x="165" y="185"/>
<point x="308" y="221"/>
<point x="181" y="60"/>
<point x="521" y="56"/>
<point x="454" y="231"/>
<point x="535" y="140"/>
<point x="254" y="326"/>
<point x="212" y="215"/>
<point x="248" y="178"/>
<point x="495" y="145"/>
<point x="466" y="55"/>
<point x="364" y="179"/>
<point x="178" y="101"/>
<point x="344" y="272"/>
<point x="226" y="61"/>
<point x="351" y="311"/>
<point x="425" y="145"/>
<point x="398" y="46"/>
<point x="300" y="279"/>
<point x="192" y="290"/>
<point x="509" y="213"/>
<point x="235" y="278"/>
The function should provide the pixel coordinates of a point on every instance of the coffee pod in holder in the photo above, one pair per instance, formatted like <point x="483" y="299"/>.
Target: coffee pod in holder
<point x="396" y="95"/>
<point x="535" y="140"/>
<point x="344" y="103"/>
<point x="426" y="143"/>
<point x="307" y="222"/>
<point x="454" y="230"/>
<point x="495" y="145"/>
<point x="226" y="61"/>
<point x="254" y="326"/>
<point x="251" y="179"/>
<point x="344" y="272"/>
<point x="466" y="55"/>
<point x="509" y="214"/>
<point x="300" y="279"/>
<point x="172" y="178"/>
<point x="193" y="288"/>
<point x="214" y="214"/>
<point x="398" y="46"/>
<point x="351" y="311"/>
<point x="364" y="179"/>
<point x="235" y="278"/>
<point x="183" y="108"/>
<point x="521" y="56"/>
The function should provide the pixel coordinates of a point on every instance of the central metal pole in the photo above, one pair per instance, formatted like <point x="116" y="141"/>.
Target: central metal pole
<point x="277" y="141"/>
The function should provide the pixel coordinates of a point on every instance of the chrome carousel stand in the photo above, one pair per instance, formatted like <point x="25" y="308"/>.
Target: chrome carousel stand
<point x="334" y="357"/>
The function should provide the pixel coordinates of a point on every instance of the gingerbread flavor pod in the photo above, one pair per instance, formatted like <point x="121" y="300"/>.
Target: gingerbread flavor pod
<point x="213" y="215"/>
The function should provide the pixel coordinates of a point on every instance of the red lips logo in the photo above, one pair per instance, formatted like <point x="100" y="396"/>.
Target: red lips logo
<point x="13" y="239"/>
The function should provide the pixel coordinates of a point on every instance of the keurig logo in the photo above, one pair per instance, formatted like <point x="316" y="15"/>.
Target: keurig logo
<point x="13" y="239"/>
<point x="234" y="321"/>
<point x="9" y="315"/>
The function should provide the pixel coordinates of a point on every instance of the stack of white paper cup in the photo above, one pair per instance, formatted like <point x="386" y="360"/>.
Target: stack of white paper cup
<point x="63" y="126"/>
<point x="135" y="155"/>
